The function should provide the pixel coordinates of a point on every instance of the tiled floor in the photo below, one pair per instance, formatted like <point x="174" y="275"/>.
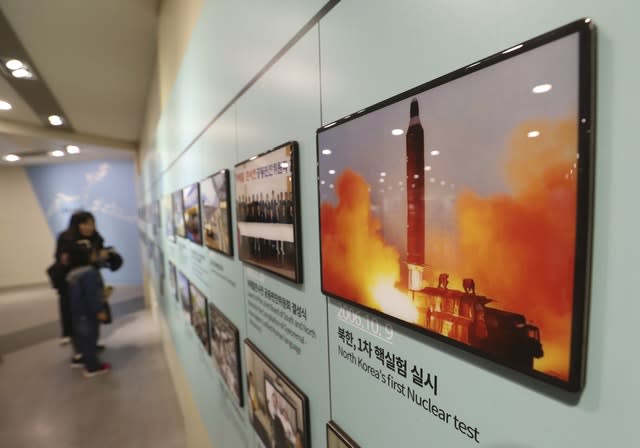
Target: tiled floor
<point x="45" y="403"/>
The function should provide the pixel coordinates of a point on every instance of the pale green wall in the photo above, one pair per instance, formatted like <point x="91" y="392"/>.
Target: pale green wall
<point x="360" y="53"/>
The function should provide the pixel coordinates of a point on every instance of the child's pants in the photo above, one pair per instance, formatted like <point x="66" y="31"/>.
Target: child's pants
<point x="86" y="339"/>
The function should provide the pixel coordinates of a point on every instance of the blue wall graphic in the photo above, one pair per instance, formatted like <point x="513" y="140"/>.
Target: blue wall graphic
<point x="107" y="190"/>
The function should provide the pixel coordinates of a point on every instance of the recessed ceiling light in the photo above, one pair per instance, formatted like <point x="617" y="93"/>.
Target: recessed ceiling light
<point x="427" y="168"/>
<point x="57" y="153"/>
<point x="322" y="182"/>
<point x="14" y="64"/>
<point x="432" y="180"/>
<point x="330" y="185"/>
<point x="435" y="152"/>
<point x="382" y="174"/>
<point x="332" y="171"/>
<point x="542" y="88"/>
<point x="381" y="180"/>
<point x="21" y="73"/>
<point x="533" y="134"/>
<point x="326" y="151"/>
<point x="73" y="149"/>
<point x="55" y="120"/>
<point x="4" y="105"/>
<point x="397" y="132"/>
<point x="443" y="183"/>
<point x="284" y="164"/>
<point x="11" y="158"/>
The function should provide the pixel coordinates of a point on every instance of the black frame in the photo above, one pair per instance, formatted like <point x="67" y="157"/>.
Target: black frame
<point x="297" y="231"/>
<point x="333" y="428"/>
<point x="176" y="227"/>
<point x="212" y="309"/>
<point x="586" y="30"/>
<point x="287" y="382"/>
<point x="227" y="184"/>
<point x="195" y="185"/>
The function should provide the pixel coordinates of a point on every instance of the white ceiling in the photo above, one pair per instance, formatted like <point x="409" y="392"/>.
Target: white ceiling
<point x="96" y="57"/>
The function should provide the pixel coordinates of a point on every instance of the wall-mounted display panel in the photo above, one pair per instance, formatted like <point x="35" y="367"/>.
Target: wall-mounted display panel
<point x="174" y="281"/>
<point x="191" y="204"/>
<point x="199" y="316"/>
<point x="463" y="207"/>
<point x="178" y="214"/>
<point x="216" y="212"/>
<point x="169" y="225"/>
<point x="267" y="209"/>
<point x="225" y="349"/>
<point x="278" y="409"/>
<point x="337" y="438"/>
<point x="185" y="296"/>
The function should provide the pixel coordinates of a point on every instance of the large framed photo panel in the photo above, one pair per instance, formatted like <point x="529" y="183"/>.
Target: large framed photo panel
<point x="278" y="409"/>
<point x="463" y="207"/>
<point x="225" y="349"/>
<point x="185" y="296"/>
<point x="178" y="214"/>
<point x="216" y="212"/>
<point x="191" y="204"/>
<point x="337" y="438"/>
<point x="267" y="212"/>
<point x="199" y="316"/>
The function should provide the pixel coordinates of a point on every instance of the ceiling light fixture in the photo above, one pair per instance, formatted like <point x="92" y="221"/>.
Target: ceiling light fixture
<point x="326" y="151"/>
<point x="332" y="171"/>
<point x="533" y="134"/>
<point x="55" y="120"/>
<point x="5" y="105"/>
<point x="435" y="152"/>
<point x="73" y="149"/>
<point x="397" y="132"/>
<point x="11" y="158"/>
<point x="14" y="64"/>
<point x="57" y="153"/>
<point x="22" y="73"/>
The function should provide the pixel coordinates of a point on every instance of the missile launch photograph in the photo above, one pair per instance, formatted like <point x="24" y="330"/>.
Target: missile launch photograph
<point x="453" y="209"/>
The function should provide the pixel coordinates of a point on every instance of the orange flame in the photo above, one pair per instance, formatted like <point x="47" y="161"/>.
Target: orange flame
<point x="356" y="261"/>
<point x="520" y="248"/>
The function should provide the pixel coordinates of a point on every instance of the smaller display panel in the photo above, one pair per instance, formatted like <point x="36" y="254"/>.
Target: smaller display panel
<point x="216" y="212"/>
<point x="199" y="317"/>
<point x="191" y="204"/>
<point x="278" y="409"/>
<point x="178" y="214"/>
<point x="225" y="349"/>
<point x="267" y="211"/>
<point x="174" y="281"/>
<point x="185" y="295"/>
<point x="337" y="438"/>
<point x="169" y="225"/>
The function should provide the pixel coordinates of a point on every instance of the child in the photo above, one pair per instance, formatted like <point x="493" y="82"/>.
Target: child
<point x="86" y="293"/>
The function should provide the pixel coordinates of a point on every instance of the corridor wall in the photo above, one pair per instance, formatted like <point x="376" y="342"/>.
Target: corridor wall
<point x="257" y="74"/>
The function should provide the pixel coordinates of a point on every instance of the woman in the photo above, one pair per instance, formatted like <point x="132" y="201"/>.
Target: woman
<point x="82" y="225"/>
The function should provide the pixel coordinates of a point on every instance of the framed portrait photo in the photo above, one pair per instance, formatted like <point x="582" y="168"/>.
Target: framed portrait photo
<point x="184" y="294"/>
<point x="267" y="210"/>
<point x="225" y="350"/>
<point x="191" y="211"/>
<point x="215" y="205"/>
<point x="178" y="214"/>
<point x="278" y="409"/>
<point x="337" y="438"/>
<point x="199" y="316"/>
<point x="463" y="207"/>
